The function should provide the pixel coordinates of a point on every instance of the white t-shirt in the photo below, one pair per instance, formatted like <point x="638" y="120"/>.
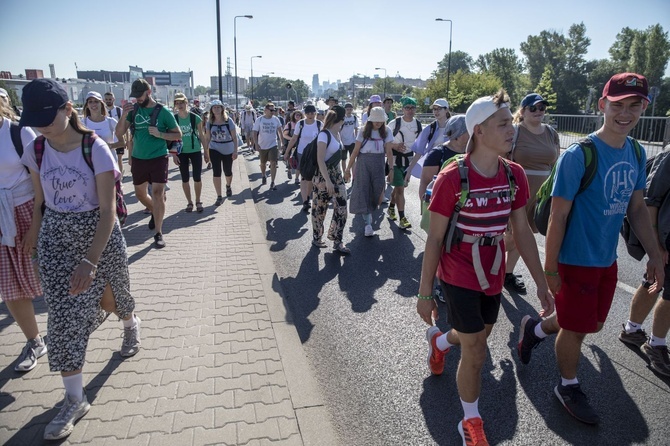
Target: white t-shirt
<point x="349" y="127"/>
<point x="247" y="118"/>
<point x="267" y="131"/>
<point x="12" y="172"/>
<point x="115" y="112"/>
<point x="407" y="133"/>
<point x="375" y="143"/>
<point x="307" y="133"/>
<point x="104" y="129"/>
<point x="333" y="147"/>
<point x="67" y="181"/>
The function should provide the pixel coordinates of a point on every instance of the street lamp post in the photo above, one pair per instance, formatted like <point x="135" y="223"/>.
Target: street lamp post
<point x="449" y="58"/>
<point x="235" y="50"/>
<point x="252" y="76"/>
<point x="385" y="77"/>
<point x="218" y="41"/>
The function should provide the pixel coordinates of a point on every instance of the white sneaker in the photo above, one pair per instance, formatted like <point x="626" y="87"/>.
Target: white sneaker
<point x="63" y="424"/>
<point x="131" y="340"/>
<point x="369" y="232"/>
<point x="31" y="351"/>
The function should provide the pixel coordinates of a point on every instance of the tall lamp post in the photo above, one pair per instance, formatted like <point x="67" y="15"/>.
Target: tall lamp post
<point x="235" y="50"/>
<point x="252" y="76"/>
<point x="449" y="59"/>
<point x="218" y="42"/>
<point x="385" y="77"/>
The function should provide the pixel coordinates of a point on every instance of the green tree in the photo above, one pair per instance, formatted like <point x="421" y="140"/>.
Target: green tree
<point x="504" y="63"/>
<point x="546" y="48"/>
<point x="200" y="90"/>
<point x="460" y="60"/>
<point x="11" y="92"/>
<point x="620" y="49"/>
<point x="657" y="54"/>
<point x="545" y="88"/>
<point x="600" y="71"/>
<point x="465" y="88"/>
<point x="646" y="52"/>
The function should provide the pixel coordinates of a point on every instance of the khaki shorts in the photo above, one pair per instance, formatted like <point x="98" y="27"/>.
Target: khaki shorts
<point x="270" y="154"/>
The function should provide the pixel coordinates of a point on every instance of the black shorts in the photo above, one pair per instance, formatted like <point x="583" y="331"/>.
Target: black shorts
<point x="468" y="311"/>
<point x="347" y="151"/>
<point x="153" y="170"/>
<point x="120" y="150"/>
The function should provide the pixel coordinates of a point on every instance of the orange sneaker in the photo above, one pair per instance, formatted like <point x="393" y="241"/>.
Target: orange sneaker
<point x="435" y="355"/>
<point x="472" y="432"/>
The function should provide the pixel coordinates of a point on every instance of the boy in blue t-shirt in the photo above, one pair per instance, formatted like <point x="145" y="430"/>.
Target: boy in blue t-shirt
<point x="583" y="234"/>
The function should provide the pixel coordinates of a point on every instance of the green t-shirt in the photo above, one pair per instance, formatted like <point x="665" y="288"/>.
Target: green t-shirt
<point x="145" y="146"/>
<point x="391" y="116"/>
<point x="187" y="131"/>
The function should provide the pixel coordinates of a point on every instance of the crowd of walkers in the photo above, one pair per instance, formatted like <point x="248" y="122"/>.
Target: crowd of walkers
<point x="61" y="213"/>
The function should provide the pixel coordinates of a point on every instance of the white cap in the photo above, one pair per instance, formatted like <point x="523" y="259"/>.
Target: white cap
<point x="478" y="112"/>
<point x="441" y="102"/>
<point x="4" y="93"/>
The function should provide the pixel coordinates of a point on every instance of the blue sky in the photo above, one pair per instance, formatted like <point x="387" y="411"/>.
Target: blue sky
<point x="296" y="38"/>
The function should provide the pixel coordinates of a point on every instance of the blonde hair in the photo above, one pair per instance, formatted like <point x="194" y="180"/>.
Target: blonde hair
<point x="518" y="116"/>
<point x="6" y="110"/>
<point x="87" y="112"/>
<point x="224" y="114"/>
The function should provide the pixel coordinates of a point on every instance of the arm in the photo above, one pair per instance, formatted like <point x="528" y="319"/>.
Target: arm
<point x="291" y="146"/>
<point x="30" y="239"/>
<point x="527" y="247"/>
<point x="123" y="125"/>
<point x="653" y="217"/>
<point x="81" y="277"/>
<point x="558" y="220"/>
<point x="640" y="222"/>
<point x="321" y="162"/>
<point x="388" y="148"/>
<point x="255" y="138"/>
<point x="204" y="138"/>
<point x="352" y="160"/>
<point x="233" y="134"/>
<point x="427" y="308"/>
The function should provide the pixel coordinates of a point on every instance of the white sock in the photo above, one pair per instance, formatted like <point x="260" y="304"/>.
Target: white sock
<point x="470" y="410"/>
<point x="130" y="323"/>
<point x="443" y="343"/>
<point x="568" y="382"/>
<point x="539" y="332"/>
<point x="655" y="341"/>
<point x="632" y="327"/>
<point x="367" y="218"/>
<point x="74" y="386"/>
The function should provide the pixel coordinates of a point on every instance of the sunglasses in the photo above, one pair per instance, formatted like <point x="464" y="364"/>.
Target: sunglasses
<point x="534" y="108"/>
<point x="409" y="107"/>
<point x="271" y="109"/>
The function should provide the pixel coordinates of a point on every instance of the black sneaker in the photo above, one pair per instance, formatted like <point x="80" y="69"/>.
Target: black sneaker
<point x="264" y="181"/>
<point x="219" y="201"/>
<point x="527" y="339"/>
<point x="229" y="191"/>
<point x="272" y="186"/>
<point x="158" y="240"/>
<point x="305" y="206"/>
<point x="576" y="403"/>
<point x="514" y="283"/>
<point x="152" y="223"/>
<point x="636" y="338"/>
<point x="658" y="358"/>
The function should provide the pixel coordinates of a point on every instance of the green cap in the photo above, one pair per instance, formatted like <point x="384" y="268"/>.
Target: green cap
<point x="408" y="101"/>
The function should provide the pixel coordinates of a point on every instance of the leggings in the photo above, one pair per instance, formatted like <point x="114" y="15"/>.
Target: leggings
<point x="196" y="159"/>
<point x="218" y="160"/>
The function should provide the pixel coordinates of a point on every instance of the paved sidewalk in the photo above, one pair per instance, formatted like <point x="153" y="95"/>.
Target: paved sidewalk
<point x="220" y="362"/>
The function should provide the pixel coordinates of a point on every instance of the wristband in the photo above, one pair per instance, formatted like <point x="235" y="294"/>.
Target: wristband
<point x="94" y="267"/>
<point x="419" y="296"/>
<point x="551" y="273"/>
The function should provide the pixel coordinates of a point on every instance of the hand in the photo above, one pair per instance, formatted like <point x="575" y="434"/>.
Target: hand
<point x="81" y="278"/>
<point x="546" y="300"/>
<point x="206" y="157"/>
<point x="127" y="108"/>
<point x="330" y="188"/>
<point x="234" y="155"/>
<point x="554" y="283"/>
<point x="153" y="131"/>
<point x="408" y="176"/>
<point x="29" y="241"/>
<point x="390" y="176"/>
<point x="130" y="161"/>
<point x="347" y="175"/>
<point x="655" y="274"/>
<point x="175" y="158"/>
<point x="287" y="155"/>
<point x="427" y="309"/>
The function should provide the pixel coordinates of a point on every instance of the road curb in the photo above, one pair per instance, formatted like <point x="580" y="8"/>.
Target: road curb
<point x="314" y="422"/>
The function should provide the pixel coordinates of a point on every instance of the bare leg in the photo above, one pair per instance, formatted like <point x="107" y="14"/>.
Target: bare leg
<point x="187" y="191"/>
<point x="23" y="312"/>
<point x="217" y="186"/>
<point x="568" y="349"/>
<point x="661" y="323"/>
<point x="641" y="305"/>
<point x="159" y="205"/>
<point x="198" y="190"/>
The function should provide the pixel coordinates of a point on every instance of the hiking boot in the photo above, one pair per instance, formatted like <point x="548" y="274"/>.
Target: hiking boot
<point x="131" y="340"/>
<point x="63" y="424"/>
<point x="391" y="214"/>
<point x="658" y="358"/>
<point x="28" y="358"/>
<point x="158" y="240"/>
<point x="404" y="223"/>
<point x="369" y="232"/>
<point x="514" y="283"/>
<point x="152" y="223"/>
<point x="435" y="355"/>
<point x="636" y="338"/>
<point x="527" y="339"/>
<point x="229" y="191"/>
<point x="576" y="403"/>
<point x="472" y="432"/>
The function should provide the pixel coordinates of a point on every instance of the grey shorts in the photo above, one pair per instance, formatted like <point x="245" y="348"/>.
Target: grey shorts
<point x="270" y="154"/>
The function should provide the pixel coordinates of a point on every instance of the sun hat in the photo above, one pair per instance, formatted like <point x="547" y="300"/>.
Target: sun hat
<point x="480" y="110"/>
<point x="247" y="107"/>
<point x="180" y="97"/>
<point x="441" y="102"/>
<point x="455" y="127"/>
<point x="626" y="85"/>
<point x="139" y="87"/>
<point x="215" y="103"/>
<point x="377" y="114"/>
<point x="532" y="99"/>
<point x="93" y="94"/>
<point x="375" y="98"/>
<point x="42" y="98"/>
<point x="348" y="105"/>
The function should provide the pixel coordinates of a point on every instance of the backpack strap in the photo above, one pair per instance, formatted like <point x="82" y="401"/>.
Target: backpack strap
<point x="87" y="147"/>
<point x="590" y="163"/>
<point x="301" y="124"/>
<point x="153" y="119"/>
<point x="15" y="134"/>
<point x="132" y="115"/>
<point x="419" y="127"/>
<point x="396" y="128"/>
<point x="191" y="115"/>
<point x="460" y="204"/>
<point x="433" y="129"/>
<point x="39" y="150"/>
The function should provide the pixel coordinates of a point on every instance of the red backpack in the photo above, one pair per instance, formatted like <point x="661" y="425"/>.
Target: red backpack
<point x="86" y="146"/>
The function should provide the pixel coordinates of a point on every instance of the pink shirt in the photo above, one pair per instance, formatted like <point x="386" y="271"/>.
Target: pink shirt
<point x="67" y="181"/>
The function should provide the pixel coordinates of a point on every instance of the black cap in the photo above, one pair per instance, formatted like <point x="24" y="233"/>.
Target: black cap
<point x="310" y="109"/>
<point x="341" y="112"/>
<point x="139" y="87"/>
<point x="42" y="98"/>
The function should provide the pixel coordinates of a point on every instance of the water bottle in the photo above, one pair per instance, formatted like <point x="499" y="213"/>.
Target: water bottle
<point x="429" y="190"/>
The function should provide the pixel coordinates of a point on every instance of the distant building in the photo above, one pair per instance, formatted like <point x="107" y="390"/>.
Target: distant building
<point x="316" y="88"/>
<point x="229" y="83"/>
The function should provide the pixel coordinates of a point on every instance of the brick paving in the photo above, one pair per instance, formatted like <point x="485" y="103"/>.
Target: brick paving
<point x="220" y="361"/>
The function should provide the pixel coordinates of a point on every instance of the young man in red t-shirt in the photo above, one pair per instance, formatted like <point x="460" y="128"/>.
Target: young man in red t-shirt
<point x="472" y="271"/>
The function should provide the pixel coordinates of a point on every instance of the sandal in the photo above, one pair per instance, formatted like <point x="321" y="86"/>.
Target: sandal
<point x="219" y="201"/>
<point x="341" y="248"/>
<point x="189" y="207"/>
<point x="319" y="243"/>
<point x="198" y="206"/>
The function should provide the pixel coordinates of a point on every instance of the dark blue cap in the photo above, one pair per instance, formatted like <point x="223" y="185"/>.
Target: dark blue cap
<point x="532" y="99"/>
<point x="41" y="100"/>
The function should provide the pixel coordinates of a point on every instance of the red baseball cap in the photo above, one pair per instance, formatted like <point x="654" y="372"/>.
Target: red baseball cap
<point x="626" y="85"/>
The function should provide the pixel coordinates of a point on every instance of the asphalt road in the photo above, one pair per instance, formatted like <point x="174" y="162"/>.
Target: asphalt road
<point x="357" y="320"/>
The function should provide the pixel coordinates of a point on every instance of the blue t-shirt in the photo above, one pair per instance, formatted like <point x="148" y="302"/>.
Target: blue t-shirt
<point x="597" y="213"/>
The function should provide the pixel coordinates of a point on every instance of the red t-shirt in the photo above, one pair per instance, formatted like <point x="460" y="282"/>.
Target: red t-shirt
<point x="479" y="217"/>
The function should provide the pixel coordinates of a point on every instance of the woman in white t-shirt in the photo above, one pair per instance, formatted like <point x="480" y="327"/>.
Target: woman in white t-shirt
<point x="97" y="119"/>
<point x="328" y="182"/>
<point x="19" y="283"/>
<point x="372" y="150"/>
<point x="83" y="263"/>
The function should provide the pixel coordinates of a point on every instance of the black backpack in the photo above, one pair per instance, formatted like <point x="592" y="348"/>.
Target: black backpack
<point x="15" y="133"/>
<point x="119" y="112"/>
<point x="396" y="128"/>
<point x="308" y="162"/>
<point x="153" y="119"/>
<point x="301" y="124"/>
